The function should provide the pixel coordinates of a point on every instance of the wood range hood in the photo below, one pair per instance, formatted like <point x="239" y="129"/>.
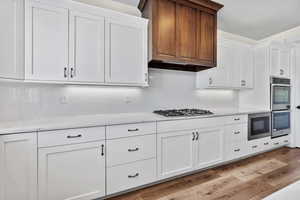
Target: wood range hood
<point x="182" y="33"/>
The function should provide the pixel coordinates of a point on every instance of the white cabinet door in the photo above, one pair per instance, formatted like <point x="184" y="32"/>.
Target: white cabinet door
<point x="126" y="46"/>
<point x="285" y="56"/>
<point x="11" y="39"/>
<point x="275" y="61"/>
<point x="18" y="167"/>
<point x="209" y="147"/>
<point x="218" y="77"/>
<point x="74" y="172"/>
<point x="87" y="47"/>
<point x="246" y="66"/>
<point x="46" y="42"/>
<point x="175" y="153"/>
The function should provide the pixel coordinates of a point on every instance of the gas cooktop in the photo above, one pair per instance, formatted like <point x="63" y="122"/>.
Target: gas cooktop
<point x="183" y="112"/>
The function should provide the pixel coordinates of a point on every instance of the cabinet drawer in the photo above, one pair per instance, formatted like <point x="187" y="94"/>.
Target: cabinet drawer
<point x="126" y="150"/>
<point x="128" y="130"/>
<point x="236" y="150"/>
<point x="237" y="119"/>
<point x="236" y="133"/>
<point x="280" y="141"/>
<point x="70" y="136"/>
<point x="255" y="146"/>
<point x="131" y="175"/>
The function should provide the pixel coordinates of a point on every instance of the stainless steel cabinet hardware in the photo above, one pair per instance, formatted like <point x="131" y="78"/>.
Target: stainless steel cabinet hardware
<point x="74" y="136"/>
<point x="266" y="143"/>
<point x="133" y="150"/>
<point x="237" y="150"/>
<point x="133" y="130"/>
<point x="133" y="176"/>
<point x="281" y="72"/>
<point x="210" y="81"/>
<point x="277" y="143"/>
<point x="286" y="141"/>
<point x="72" y="72"/>
<point x="237" y="119"/>
<point x="237" y="132"/>
<point x="243" y="83"/>
<point x="194" y="136"/>
<point x="254" y="147"/>
<point x="197" y="137"/>
<point x="65" y="72"/>
<point x="102" y="150"/>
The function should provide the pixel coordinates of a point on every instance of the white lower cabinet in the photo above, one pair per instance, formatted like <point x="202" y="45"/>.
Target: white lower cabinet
<point x="123" y="177"/>
<point x="175" y="153"/>
<point x="209" y="147"/>
<point x="18" y="167"/>
<point x="72" y="172"/>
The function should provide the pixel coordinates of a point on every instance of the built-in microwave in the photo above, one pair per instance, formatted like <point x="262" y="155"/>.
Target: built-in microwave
<point x="281" y="123"/>
<point x="259" y="126"/>
<point x="280" y="94"/>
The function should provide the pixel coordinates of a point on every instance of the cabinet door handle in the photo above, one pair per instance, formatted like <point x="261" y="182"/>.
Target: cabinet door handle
<point x="237" y="132"/>
<point x="237" y="150"/>
<point x="210" y="81"/>
<point x="102" y="150"/>
<point x="237" y="119"/>
<point x="254" y="147"/>
<point x="277" y="143"/>
<point x="74" y="136"/>
<point x="281" y="72"/>
<point x="72" y="72"/>
<point x="133" y="176"/>
<point x="194" y="136"/>
<point x="197" y="137"/>
<point x="65" y="72"/>
<point x="267" y="143"/>
<point x="286" y="141"/>
<point x="133" y="130"/>
<point x="133" y="150"/>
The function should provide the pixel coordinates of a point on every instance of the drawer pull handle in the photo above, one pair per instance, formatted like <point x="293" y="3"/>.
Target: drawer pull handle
<point x="277" y="143"/>
<point x="237" y="132"/>
<point x="237" y="150"/>
<point x="133" y="130"/>
<point x="102" y="150"/>
<point x="267" y="143"/>
<point x="133" y="150"/>
<point x="74" y="136"/>
<point x="254" y="147"/>
<point x="133" y="176"/>
<point x="237" y="119"/>
<point x="286" y="141"/>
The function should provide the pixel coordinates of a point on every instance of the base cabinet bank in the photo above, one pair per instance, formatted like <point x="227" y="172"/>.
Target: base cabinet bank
<point x="98" y="162"/>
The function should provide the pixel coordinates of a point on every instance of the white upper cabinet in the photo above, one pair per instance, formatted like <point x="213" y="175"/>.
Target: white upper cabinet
<point x="18" y="167"/>
<point x="280" y="58"/>
<point x="46" y="42"/>
<point x="87" y="52"/>
<point x="235" y="68"/>
<point x="70" y="42"/>
<point x="127" y="52"/>
<point x="11" y="39"/>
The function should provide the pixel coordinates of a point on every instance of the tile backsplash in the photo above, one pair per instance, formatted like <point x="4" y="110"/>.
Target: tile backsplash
<point x="168" y="89"/>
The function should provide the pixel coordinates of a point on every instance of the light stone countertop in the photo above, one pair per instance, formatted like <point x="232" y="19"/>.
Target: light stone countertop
<point x="67" y="122"/>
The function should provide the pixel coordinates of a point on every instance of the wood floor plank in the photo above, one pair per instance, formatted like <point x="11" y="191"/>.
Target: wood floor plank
<point x="250" y="179"/>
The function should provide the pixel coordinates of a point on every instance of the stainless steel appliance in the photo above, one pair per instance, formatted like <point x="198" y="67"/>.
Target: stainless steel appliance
<point x="259" y="126"/>
<point x="280" y="94"/>
<point x="281" y="123"/>
<point x="183" y="112"/>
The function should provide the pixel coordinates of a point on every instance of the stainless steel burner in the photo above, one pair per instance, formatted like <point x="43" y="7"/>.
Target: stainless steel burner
<point x="183" y="112"/>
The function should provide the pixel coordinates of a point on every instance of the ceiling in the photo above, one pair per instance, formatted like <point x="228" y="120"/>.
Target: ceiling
<point x="255" y="19"/>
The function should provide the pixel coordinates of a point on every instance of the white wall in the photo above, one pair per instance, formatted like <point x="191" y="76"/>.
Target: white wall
<point x="169" y="89"/>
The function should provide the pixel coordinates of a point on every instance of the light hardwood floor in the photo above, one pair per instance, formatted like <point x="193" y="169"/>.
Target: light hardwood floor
<point x="250" y="179"/>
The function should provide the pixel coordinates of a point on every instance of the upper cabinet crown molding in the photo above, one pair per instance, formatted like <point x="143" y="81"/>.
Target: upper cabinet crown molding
<point x="182" y="33"/>
<point x="67" y="42"/>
